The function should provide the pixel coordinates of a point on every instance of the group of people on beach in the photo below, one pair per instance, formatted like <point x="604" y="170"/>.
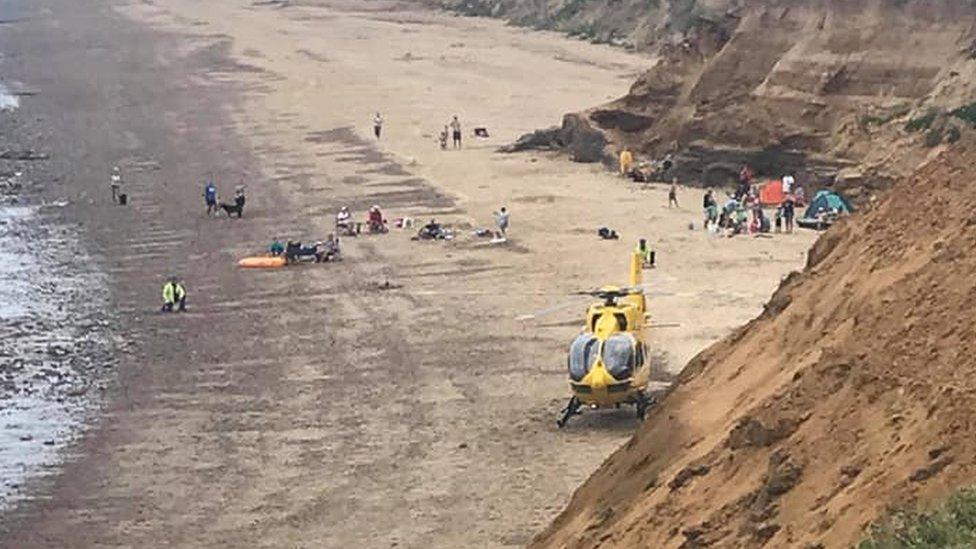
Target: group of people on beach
<point x="451" y="131"/>
<point x="744" y="213"/>
<point x="455" y="133"/>
<point x="645" y="172"/>
<point x="174" y="291"/>
<point x="210" y="199"/>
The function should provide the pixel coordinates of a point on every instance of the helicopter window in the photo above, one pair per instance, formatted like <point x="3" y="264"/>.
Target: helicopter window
<point x="582" y="355"/>
<point x="619" y="352"/>
<point x="621" y="321"/>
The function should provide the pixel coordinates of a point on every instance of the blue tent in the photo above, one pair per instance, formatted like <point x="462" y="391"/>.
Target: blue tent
<point x="824" y="208"/>
<point x="828" y="202"/>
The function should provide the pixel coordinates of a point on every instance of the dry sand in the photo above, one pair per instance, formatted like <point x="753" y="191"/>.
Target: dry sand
<point x="322" y="413"/>
<point x="334" y="64"/>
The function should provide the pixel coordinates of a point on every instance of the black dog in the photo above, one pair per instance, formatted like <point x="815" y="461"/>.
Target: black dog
<point x="236" y="208"/>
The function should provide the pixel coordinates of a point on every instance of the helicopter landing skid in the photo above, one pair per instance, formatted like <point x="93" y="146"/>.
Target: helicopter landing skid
<point x="571" y="409"/>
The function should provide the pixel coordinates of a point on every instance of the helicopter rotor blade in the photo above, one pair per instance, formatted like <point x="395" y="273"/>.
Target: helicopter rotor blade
<point x="547" y="311"/>
<point x="579" y="323"/>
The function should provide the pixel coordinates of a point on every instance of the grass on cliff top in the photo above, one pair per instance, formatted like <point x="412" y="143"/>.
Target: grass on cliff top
<point x="952" y="525"/>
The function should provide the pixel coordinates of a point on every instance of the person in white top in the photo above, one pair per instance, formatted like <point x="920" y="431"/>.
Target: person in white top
<point x="501" y="220"/>
<point x="788" y="182"/>
<point x="116" y="183"/>
<point x="343" y="217"/>
<point x="377" y="125"/>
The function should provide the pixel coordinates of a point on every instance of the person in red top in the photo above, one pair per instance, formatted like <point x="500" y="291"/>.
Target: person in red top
<point x="375" y="219"/>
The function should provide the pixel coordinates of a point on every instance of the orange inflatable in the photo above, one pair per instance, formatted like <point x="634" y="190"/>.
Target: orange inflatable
<point x="263" y="262"/>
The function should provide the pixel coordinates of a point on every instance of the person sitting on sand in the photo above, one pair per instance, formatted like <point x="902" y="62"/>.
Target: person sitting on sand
<point x="374" y="219"/>
<point x="331" y="244"/>
<point x="276" y="248"/>
<point x="741" y="221"/>
<point x="343" y="218"/>
<point x="430" y="231"/>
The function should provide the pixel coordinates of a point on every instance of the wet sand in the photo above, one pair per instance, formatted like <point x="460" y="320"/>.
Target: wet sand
<point x="303" y="407"/>
<point x="57" y="350"/>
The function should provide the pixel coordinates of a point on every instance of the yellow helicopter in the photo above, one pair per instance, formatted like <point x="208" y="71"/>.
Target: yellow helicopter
<point x="608" y="362"/>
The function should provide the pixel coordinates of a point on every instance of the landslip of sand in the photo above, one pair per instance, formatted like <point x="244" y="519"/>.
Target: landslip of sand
<point x="851" y="395"/>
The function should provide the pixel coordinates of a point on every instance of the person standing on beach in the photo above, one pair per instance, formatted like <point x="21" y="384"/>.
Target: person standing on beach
<point x="646" y="254"/>
<point x="456" y="131"/>
<point x="626" y="161"/>
<point x="377" y="125"/>
<point x="788" y="181"/>
<point x="673" y="194"/>
<point x="501" y="220"/>
<point x="210" y="197"/>
<point x="116" y="183"/>
<point x="710" y="206"/>
<point x="789" y="211"/>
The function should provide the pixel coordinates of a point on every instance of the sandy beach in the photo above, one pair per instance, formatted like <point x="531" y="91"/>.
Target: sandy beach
<point x="304" y="407"/>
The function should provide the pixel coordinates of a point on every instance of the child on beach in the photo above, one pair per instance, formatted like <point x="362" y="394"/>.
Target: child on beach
<point x="443" y="139"/>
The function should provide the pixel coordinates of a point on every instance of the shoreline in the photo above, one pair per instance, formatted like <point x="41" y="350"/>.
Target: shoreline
<point x="57" y="338"/>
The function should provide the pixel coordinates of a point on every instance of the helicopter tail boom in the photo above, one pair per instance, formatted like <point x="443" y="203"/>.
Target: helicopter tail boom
<point x="636" y="269"/>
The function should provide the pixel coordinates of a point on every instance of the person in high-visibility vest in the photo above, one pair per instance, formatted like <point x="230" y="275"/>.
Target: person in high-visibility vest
<point x="174" y="296"/>
<point x="626" y="161"/>
<point x="646" y="253"/>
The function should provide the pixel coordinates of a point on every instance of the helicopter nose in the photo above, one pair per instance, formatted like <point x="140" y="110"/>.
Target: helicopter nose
<point x="599" y="378"/>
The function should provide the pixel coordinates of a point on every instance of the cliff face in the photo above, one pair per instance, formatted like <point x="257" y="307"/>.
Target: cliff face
<point x="639" y="24"/>
<point x="859" y="90"/>
<point x="816" y="87"/>
<point x="852" y="392"/>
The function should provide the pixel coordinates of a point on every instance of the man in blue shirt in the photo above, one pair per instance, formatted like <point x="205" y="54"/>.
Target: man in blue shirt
<point x="210" y="196"/>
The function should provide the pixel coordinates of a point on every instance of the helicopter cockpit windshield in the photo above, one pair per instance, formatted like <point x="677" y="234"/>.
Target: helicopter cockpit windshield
<point x="619" y="355"/>
<point x="583" y="353"/>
